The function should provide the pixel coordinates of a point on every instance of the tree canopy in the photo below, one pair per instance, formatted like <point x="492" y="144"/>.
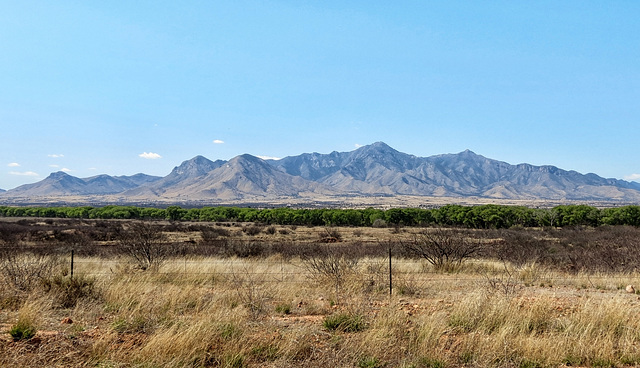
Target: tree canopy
<point x="476" y="217"/>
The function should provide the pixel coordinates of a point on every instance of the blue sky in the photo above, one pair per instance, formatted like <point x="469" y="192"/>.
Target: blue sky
<point x="121" y="87"/>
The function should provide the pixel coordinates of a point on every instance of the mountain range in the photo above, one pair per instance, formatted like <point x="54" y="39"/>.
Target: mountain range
<point x="369" y="171"/>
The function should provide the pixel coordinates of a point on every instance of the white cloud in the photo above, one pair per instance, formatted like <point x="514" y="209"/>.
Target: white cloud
<point x="218" y="141"/>
<point x="65" y="169"/>
<point x="358" y="145"/>
<point x="54" y="166"/>
<point x="56" y="155"/>
<point x="150" y="155"/>
<point x="632" y="177"/>
<point x="269" y="157"/>
<point x="93" y="168"/>
<point x="24" y="173"/>
<point x="14" y="164"/>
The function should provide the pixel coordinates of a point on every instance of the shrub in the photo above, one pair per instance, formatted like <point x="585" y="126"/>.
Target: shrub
<point x="329" y="263"/>
<point x="445" y="249"/>
<point x="244" y="249"/>
<point x="265" y="353"/>
<point x="212" y="234"/>
<point x="325" y="261"/>
<point x="252" y="290"/>
<point x="379" y="223"/>
<point x="271" y="230"/>
<point x="10" y="233"/>
<point x="427" y="362"/>
<point x="283" y="308"/>
<point x="25" y="271"/>
<point x="23" y="330"/>
<point x="330" y="235"/>
<point x="252" y="230"/>
<point x="229" y="331"/>
<point x="146" y="245"/>
<point x="68" y="291"/>
<point x="369" y="362"/>
<point x="344" y="322"/>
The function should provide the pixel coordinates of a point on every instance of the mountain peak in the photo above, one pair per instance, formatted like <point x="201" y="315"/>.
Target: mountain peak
<point x="380" y="153"/>
<point x="197" y="160"/>
<point x="247" y="157"/>
<point x="379" y="144"/>
<point x="464" y="155"/>
<point x="58" y="175"/>
<point x="378" y="147"/>
<point x="468" y="153"/>
<point x="249" y="162"/>
<point x="196" y="166"/>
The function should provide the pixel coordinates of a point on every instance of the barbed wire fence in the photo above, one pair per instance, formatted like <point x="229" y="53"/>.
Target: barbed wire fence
<point x="387" y="273"/>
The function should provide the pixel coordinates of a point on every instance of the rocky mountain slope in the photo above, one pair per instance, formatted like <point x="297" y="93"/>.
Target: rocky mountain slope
<point x="380" y="169"/>
<point x="243" y="177"/>
<point x="373" y="170"/>
<point x="63" y="184"/>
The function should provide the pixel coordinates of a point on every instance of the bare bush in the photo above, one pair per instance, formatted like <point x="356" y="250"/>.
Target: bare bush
<point x="606" y="249"/>
<point x="253" y="229"/>
<point x="284" y="231"/>
<point x="214" y="235"/>
<point x="325" y="262"/>
<point x="504" y="283"/>
<point x="375" y="276"/>
<point x="330" y="235"/>
<point x="10" y="233"/>
<point x="253" y="290"/>
<point x="145" y="244"/>
<point x="518" y="246"/>
<point x="444" y="249"/>
<point x="245" y="249"/>
<point x="24" y="271"/>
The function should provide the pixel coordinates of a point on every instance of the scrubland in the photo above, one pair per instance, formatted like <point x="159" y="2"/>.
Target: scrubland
<point x="230" y="295"/>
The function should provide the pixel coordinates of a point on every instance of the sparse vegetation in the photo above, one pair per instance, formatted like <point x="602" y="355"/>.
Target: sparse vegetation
<point x="325" y="263"/>
<point x="145" y="244"/>
<point x="444" y="249"/>
<point x="344" y="322"/>
<point x="25" y="328"/>
<point x="67" y="291"/>
<point x="24" y="271"/>
<point x="531" y="298"/>
<point x="22" y="331"/>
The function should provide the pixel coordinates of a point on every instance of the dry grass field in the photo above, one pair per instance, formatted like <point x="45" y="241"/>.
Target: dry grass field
<point x="307" y="309"/>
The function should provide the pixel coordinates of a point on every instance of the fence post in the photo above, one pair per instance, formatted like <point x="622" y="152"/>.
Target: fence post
<point x="71" y="264"/>
<point x="390" y="275"/>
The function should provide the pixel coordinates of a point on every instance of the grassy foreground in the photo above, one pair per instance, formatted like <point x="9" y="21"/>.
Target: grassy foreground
<point x="276" y="312"/>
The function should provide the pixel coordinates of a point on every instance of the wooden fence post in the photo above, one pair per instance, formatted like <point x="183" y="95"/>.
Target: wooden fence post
<point x="71" y="264"/>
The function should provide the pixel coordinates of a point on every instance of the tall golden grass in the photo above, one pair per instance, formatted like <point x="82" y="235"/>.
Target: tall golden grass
<point x="211" y="312"/>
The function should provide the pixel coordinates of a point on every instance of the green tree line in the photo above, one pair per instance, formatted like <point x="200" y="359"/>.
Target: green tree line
<point x="476" y="217"/>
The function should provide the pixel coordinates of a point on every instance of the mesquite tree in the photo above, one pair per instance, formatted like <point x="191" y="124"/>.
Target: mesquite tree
<point x="146" y="244"/>
<point x="445" y="249"/>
